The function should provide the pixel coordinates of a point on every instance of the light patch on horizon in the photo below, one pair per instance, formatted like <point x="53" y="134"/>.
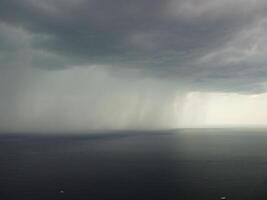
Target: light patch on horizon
<point x="224" y="110"/>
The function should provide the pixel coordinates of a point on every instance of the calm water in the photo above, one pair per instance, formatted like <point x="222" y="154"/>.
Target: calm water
<point x="182" y="164"/>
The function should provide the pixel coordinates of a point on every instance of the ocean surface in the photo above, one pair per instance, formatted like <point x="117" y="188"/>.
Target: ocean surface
<point x="185" y="164"/>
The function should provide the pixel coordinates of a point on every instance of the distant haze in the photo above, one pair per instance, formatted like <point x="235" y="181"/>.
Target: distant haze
<point x="136" y="64"/>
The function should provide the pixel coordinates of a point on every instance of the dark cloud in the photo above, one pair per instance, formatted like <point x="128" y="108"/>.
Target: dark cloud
<point x="98" y="64"/>
<point x="205" y="45"/>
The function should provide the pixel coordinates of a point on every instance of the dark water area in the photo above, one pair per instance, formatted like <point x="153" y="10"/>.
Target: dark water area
<point x="179" y="164"/>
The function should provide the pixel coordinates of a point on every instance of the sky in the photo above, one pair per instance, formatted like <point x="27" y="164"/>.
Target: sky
<point x="138" y="64"/>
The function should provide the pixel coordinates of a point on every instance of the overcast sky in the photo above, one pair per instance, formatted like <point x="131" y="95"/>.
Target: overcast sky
<point x="132" y="64"/>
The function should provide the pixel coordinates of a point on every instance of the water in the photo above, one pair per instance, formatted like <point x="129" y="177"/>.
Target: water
<point x="180" y="164"/>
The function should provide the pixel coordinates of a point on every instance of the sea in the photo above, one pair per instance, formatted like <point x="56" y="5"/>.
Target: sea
<point x="180" y="164"/>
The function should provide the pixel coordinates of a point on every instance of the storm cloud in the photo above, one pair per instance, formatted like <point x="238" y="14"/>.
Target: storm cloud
<point x="182" y="45"/>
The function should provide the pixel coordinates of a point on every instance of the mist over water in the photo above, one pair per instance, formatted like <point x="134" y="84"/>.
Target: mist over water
<point x="83" y="99"/>
<point x="94" y="98"/>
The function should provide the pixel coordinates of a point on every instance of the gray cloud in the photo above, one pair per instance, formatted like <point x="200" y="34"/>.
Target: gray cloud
<point x="182" y="45"/>
<point x="164" y="38"/>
